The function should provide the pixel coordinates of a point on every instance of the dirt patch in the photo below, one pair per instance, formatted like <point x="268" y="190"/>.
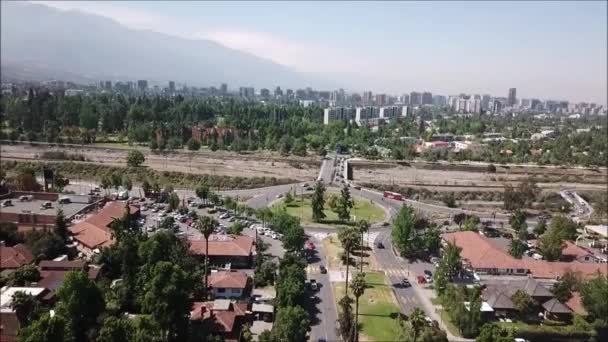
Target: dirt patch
<point x="212" y="163"/>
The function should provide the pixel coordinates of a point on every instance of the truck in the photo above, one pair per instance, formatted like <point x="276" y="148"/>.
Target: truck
<point x="393" y="195"/>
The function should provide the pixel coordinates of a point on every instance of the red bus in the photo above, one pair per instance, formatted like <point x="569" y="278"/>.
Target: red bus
<point x="393" y="195"/>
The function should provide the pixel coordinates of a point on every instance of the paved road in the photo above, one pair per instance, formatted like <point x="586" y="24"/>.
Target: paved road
<point x="324" y="313"/>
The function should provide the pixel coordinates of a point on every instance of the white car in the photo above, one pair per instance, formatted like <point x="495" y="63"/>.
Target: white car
<point x="162" y="214"/>
<point x="275" y="236"/>
<point x="150" y="229"/>
<point x="154" y="210"/>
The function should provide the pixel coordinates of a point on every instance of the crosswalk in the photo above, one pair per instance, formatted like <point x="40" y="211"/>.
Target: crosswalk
<point x="408" y="299"/>
<point x="398" y="272"/>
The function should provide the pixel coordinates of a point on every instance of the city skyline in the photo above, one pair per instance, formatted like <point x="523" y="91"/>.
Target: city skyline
<point x="486" y="54"/>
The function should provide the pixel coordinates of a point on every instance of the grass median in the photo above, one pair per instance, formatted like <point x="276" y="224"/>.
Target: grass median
<point x="378" y="311"/>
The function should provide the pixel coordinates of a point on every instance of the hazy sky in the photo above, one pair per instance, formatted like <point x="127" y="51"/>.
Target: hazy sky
<point x="550" y="50"/>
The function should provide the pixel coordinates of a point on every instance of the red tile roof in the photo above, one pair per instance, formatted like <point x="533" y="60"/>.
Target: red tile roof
<point x="481" y="252"/>
<point x="575" y="303"/>
<point x="574" y="251"/>
<point x="95" y="232"/>
<point x="225" y="319"/>
<point x="229" y="246"/>
<point x="15" y="257"/>
<point x="228" y="280"/>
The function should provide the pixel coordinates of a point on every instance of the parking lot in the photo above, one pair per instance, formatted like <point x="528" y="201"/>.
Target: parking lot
<point x="154" y="213"/>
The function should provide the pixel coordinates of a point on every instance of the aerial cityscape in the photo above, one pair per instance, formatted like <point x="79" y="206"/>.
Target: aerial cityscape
<point x="206" y="171"/>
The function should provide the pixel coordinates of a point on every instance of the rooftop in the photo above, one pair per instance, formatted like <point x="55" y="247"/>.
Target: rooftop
<point x="95" y="231"/>
<point x="228" y="279"/>
<point x="6" y="295"/>
<point x="33" y="207"/>
<point x="230" y="245"/>
<point x="15" y="256"/>
<point x="482" y="253"/>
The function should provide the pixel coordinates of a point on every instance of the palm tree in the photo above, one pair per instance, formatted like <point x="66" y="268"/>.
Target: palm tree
<point x="205" y="226"/>
<point x="349" y="237"/>
<point x="358" y="287"/>
<point x="417" y="321"/>
<point x="363" y="228"/>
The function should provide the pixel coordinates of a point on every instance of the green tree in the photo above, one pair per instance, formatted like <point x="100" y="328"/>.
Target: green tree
<point x="568" y="283"/>
<point x="518" y="223"/>
<point x="349" y="238"/>
<point x="593" y="294"/>
<point x="146" y="187"/>
<point x="417" y="322"/>
<point x="193" y="144"/>
<point x="565" y="227"/>
<point x="24" y="275"/>
<point x="288" y="198"/>
<point x="363" y="227"/>
<point x="551" y="243"/>
<point x="451" y="257"/>
<point x="173" y="201"/>
<point x="115" y="329"/>
<point x="291" y="324"/>
<point x="294" y="237"/>
<point x="492" y="332"/>
<point x="61" y="227"/>
<point x="202" y="192"/>
<point x="48" y="329"/>
<point x="318" y="202"/>
<point x="432" y="240"/>
<point x="206" y="225"/>
<point x="26" y="308"/>
<point x="540" y="228"/>
<point x="81" y="301"/>
<point x="358" y="287"/>
<point x="523" y="303"/>
<point x="167" y="299"/>
<point x="517" y="248"/>
<point x="345" y="204"/>
<point x="299" y="148"/>
<point x="135" y="158"/>
<point x="403" y="232"/>
<point x="332" y="202"/>
<point x="345" y="318"/>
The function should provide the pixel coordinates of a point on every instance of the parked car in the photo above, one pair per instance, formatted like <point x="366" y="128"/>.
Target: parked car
<point x="322" y="269"/>
<point x="421" y="279"/>
<point x="429" y="273"/>
<point x="428" y="278"/>
<point x="405" y="282"/>
<point x="379" y="245"/>
<point x="313" y="285"/>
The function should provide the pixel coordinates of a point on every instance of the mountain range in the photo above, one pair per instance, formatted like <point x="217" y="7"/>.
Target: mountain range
<point x="40" y="42"/>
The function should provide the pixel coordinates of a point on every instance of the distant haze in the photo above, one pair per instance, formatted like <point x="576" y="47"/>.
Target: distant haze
<point x="548" y="50"/>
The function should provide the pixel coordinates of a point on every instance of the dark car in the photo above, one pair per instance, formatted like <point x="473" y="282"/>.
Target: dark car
<point x="379" y="245"/>
<point x="405" y="283"/>
<point x="428" y="273"/>
<point x="322" y="269"/>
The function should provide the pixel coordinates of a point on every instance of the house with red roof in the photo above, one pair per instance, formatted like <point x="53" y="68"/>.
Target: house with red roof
<point x="222" y="317"/>
<point x="95" y="232"/>
<point x="11" y="258"/>
<point x="229" y="284"/>
<point x="483" y="256"/>
<point x="226" y="251"/>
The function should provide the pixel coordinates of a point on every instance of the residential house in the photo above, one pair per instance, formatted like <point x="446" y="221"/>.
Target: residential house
<point x="11" y="258"/>
<point x="555" y="310"/>
<point x="229" y="284"/>
<point x="226" y="251"/>
<point x="221" y="317"/>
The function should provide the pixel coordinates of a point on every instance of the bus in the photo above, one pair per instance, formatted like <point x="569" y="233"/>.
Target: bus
<point x="393" y="195"/>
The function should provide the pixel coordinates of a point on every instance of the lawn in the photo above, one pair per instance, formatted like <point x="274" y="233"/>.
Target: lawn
<point x="448" y="323"/>
<point x="363" y="210"/>
<point x="378" y="311"/>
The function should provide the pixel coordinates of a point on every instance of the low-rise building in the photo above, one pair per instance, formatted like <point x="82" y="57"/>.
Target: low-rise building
<point x="226" y="251"/>
<point x="9" y="323"/>
<point x="11" y="258"/>
<point x="484" y="257"/>
<point x="229" y="284"/>
<point x="95" y="232"/>
<point x="221" y="317"/>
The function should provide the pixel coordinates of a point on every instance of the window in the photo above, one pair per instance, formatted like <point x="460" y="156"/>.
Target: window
<point x="236" y="291"/>
<point x="221" y="290"/>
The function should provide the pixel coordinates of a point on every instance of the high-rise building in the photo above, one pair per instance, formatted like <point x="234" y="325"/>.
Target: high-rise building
<point x="142" y="85"/>
<point x="248" y="92"/>
<point x="415" y="98"/>
<point x="439" y="100"/>
<point x="427" y="98"/>
<point x="289" y="93"/>
<point x="325" y="95"/>
<point x="301" y="94"/>
<point x="265" y="93"/>
<point x="338" y="114"/>
<point x="108" y="85"/>
<point x="367" y="98"/>
<point x="172" y="86"/>
<point x="404" y="99"/>
<point x="512" y="99"/>
<point x="224" y="89"/>
<point x="485" y="101"/>
<point x="381" y="100"/>
<point x="278" y="92"/>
